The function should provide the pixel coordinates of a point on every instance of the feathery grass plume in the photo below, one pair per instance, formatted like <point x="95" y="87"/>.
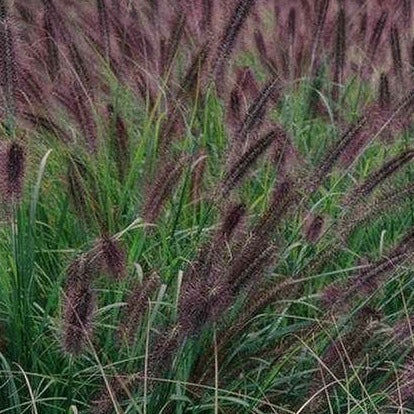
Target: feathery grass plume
<point x="342" y="354"/>
<point x="260" y="43"/>
<point x="314" y="225"/>
<point x="262" y="49"/>
<point x="291" y="32"/>
<point x="261" y="259"/>
<point x="173" y="127"/>
<point x="396" y="52"/>
<point x="234" y="111"/>
<point x="120" y="388"/>
<point x="331" y="296"/>
<point x="291" y="27"/>
<point x="376" y="35"/>
<point x="204" y="301"/>
<point x="172" y="44"/>
<point x="230" y="34"/>
<point x="391" y="122"/>
<point x="207" y="292"/>
<point x="32" y="89"/>
<point x="363" y="27"/>
<point x="197" y="176"/>
<point x="257" y="302"/>
<point x="80" y="66"/>
<point x="51" y="42"/>
<point x="403" y="331"/>
<point x="233" y="217"/>
<point x="370" y="277"/>
<point x="411" y="59"/>
<point x="8" y="64"/>
<point x="79" y="304"/>
<point x="162" y="187"/>
<point x="196" y="69"/>
<point x="81" y="108"/>
<point x="340" y="51"/>
<point x="207" y="12"/>
<point x="137" y="306"/>
<point x="258" y="251"/>
<point x="104" y="27"/>
<point x="257" y="109"/>
<point x="12" y="169"/>
<point x="194" y="304"/>
<point x="113" y="258"/>
<point x="133" y="41"/>
<point x="284" y="196"/>
<point x="164" y="348"/>
<point x="360" y="192"/>
<point x="46" y="124"/>
<point x="241" y="167"/>
<point x="322" y="7"/>
<point x="407" y="12"/>
<point x="391" y="200"/>
<point x="284" y="155"/>
<point x="245" y="89"/>
<point x="247" y="84"/>
<point x="77" y="189"/>
<point x="25" y="12"/>
<point x="357" y="137"/>
<point x="384" y="94"/>
<point x="404" y="394"/>
<point x="120" y="142"/>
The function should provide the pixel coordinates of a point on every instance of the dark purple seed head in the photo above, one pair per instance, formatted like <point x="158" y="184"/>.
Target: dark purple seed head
<point x="313" y="227"/>
<point x="232" y="219"/>
<point x="113" y="258"/>
<point x="13" y="171"/>
<point x="78" y="306"/>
